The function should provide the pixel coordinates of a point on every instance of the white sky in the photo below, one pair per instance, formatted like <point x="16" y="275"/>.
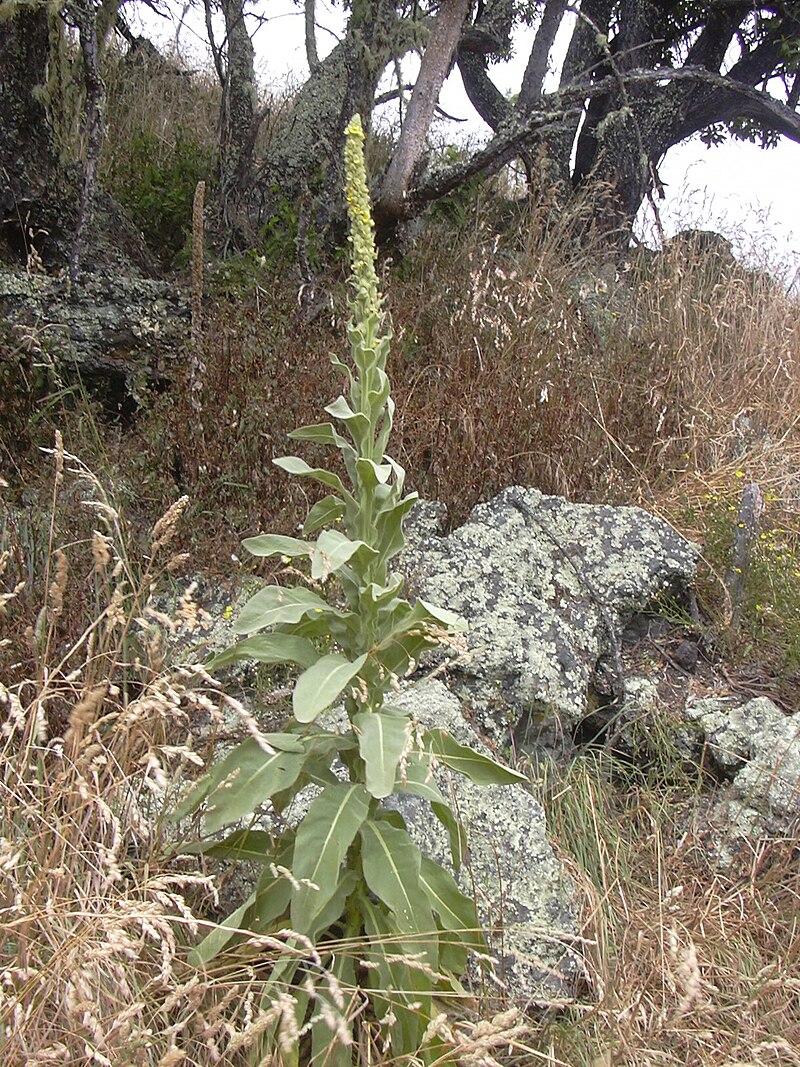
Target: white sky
<point x="750" y="195"/>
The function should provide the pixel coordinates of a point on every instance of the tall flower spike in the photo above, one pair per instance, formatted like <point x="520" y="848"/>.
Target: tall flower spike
<point x="362" y="231"/>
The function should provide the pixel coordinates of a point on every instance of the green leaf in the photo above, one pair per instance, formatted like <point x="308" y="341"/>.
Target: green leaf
<point x="324" y="513"/>
<point x="267" y="902"/>
<point x="382" y="594"/>
<point x="299" y="467"/>
<point x="445" y="618"/>
<point x="393" y="985"/>
<point x="337" y="905"/>
<point x="267" y="648"/>
<point x="391" y="865"/>
<point x="373" y="474"/>
<point x="479" y="769"/>
<point x="389" y="525"/>
<point x="276" y="545"/>
<point x="456" y="912"/>
<point x="215" y="941"/>
<point x="275" y="605"/>
<point x="419" y="781"/>
<point x="382" y="740"/>
<point x="321" y="844"/>
<point x="255" y="846"/>
<point x="333" y="550"/>
<point x="356" y="422"/>
<point x="323" y="433"/>
<point x="246" y="778"/>
<point x="455" y="830"/>
<point x="326" y="1048"/>
<point x="319" y="686"/>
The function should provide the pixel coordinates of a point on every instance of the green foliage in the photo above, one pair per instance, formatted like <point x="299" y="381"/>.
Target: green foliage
<point x="354" y="875"/>
<point x="769" y="626"/>
<point x="157" y="187"/>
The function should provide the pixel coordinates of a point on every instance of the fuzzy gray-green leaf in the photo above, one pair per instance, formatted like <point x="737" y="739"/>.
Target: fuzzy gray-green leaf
<point x="267" y="648"/>
<point x="325" y="512"/>
<point x="299" y="467"/>
<point x="276" y="545"/>
<point x="479" y="769"/>
<point x="245" y="779"/>
<point x="319" y="686"/>
<point x="391" y="864"/>
<point x="275" y="605"/>
<point x="322" y="841"/>
<point x="382" y="739"/>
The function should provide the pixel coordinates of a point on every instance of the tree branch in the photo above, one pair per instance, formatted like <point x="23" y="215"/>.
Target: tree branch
<point x="562" y="107"/>
<point x="535" y="71"/>
<point x="432" y="72"/>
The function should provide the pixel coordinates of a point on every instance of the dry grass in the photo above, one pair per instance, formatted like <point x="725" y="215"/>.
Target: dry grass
<point x="95" y="917"/>
<point x="690" y="967"/>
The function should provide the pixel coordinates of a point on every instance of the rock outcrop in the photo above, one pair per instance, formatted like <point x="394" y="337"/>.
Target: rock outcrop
<point x="546" y="587"/>
<point x="756" y="748"/>
<point x="116" y="331"/>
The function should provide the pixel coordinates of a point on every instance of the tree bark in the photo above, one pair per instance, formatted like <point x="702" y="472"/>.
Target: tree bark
<point x="304" y="156"/>
<point x="238" y="126"/>
<point x="433" y="70"/>
<point x="34" y="214"/>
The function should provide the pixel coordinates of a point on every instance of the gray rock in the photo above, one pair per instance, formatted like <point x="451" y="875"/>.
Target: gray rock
<point x="757" y="748"/>
<point x="546" y="593"/>
<point x="113" y="327"/>
<point x="525" y="899"/>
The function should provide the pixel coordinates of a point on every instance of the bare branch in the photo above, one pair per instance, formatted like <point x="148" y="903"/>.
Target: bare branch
<point x="312" y="56"/>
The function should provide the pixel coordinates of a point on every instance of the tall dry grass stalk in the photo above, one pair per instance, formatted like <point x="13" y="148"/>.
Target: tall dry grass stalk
<point x="96" y="913"/>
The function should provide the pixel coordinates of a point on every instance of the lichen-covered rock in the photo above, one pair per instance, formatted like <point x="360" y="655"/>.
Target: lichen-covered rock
<point x="525" y="899"/>
<point x="113" y="328"/>
<point x="546" y="587"/>
<point x="757" y="747"/>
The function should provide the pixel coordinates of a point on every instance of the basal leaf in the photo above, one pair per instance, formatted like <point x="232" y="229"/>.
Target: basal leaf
<point x="216" y="940"/>
<point x="324" y="513"/>
<point x="246" y="778"/>
<point x="269" y="900"/>
<point x="322" y="841"/>
<point x="396" y="990"/>
<point x="391" y="865"/>
<point x="479" y="769"/>
<point x="327" y="1050"/>
<point x="319" y="686"/>
<point x="382" y="740"/>
<point x="255" y="846"/>
<point x="267" y="648"/>
<point x="275" y="605"/>
<point x="276" y="545"/>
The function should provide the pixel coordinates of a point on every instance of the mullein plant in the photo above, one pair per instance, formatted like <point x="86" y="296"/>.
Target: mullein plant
<point x="348" y="874"/>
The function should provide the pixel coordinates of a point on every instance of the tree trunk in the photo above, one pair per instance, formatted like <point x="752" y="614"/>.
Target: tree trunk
<point x="432" y="73"/>
<point x="304" y="156"/>
<point x="238" y="126"/>
<point x="37" y="202"/>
